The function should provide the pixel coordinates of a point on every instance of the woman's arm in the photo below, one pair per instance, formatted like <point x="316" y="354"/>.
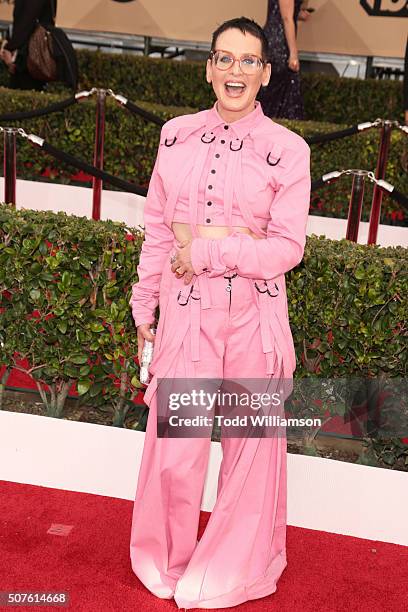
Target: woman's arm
<point x="155" y="249"/>
<point x="283" y="247"/>
<point x="287" y="11"/>
<point x="26" y="13"/>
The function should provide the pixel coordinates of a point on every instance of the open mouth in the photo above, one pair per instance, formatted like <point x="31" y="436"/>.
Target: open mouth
<point x="234" y="89"/>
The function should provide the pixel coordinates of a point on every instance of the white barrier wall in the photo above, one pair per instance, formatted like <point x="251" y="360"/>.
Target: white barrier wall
<point x="323" y="494"/>
<point x="128" y="208"/>
<point x="115" y="205"/>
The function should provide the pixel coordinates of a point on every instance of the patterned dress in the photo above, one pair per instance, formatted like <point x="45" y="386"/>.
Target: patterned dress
<point x="282" y="97"/>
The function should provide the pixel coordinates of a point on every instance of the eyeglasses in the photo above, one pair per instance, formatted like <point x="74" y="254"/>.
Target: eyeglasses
<point x="249" y="64"/>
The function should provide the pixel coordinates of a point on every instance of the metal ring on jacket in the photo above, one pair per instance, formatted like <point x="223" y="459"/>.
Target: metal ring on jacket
<point x="234" y="148"/>
<point x="207" y="141"/>
<point x="188" y="297"/>
<point x="267" y="289"/>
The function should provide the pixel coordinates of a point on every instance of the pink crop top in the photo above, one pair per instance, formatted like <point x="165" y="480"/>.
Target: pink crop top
<point x="213" y="186"/>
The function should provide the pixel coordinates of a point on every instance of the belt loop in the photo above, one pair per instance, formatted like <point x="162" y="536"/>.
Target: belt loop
<point x="204" y="285"/>
<point x="269" y="363"/>
<point x="254" y="291"/>
<point x="265" y="324"/>
<point x="195" y="311"/>
<point x="268" y="339"/>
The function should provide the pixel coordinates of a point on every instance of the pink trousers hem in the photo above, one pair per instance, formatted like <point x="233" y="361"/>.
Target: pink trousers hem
<point x="263" y="586"/>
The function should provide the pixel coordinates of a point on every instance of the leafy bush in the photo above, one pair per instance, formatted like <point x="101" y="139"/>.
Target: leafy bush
<point x="347" y="308"/>
<point x="346" y="301"/>
<point x="348" y="315"/>
<point x="64" y="291"/>
<point x="327" y="98"/>
<point x="131" y="147"/>
<point x="175" y="83"/>
<point x="65" y="284"/>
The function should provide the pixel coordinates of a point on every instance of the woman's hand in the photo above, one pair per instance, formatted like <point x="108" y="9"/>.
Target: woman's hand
<point x="304" y="15"/>
<point x="8" y="58"/>
<point x="181" y="262"/>
<point x="293" y="63"/>
<point x="143" y="333"/>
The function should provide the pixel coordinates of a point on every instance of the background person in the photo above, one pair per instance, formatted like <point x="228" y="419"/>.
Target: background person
<point x="282" y="97"/>
<point x="14" y="53"/>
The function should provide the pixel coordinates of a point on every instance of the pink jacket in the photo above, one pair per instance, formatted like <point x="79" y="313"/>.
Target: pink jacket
<point x="262" y="179"/>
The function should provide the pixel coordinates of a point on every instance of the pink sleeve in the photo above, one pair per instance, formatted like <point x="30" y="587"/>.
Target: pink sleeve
<point x="283" y="247"/>
<point x="156" y="246"/>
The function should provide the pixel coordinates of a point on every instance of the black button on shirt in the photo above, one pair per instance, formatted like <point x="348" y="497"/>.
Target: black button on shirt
<point x="217" y="155"/>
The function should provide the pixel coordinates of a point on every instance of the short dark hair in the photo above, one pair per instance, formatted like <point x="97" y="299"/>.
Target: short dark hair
<point x="244" y="24"/>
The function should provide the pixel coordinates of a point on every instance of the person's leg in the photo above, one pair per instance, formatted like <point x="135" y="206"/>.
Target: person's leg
<point x="173" y="470"/>
<point x="24" y="81"/>
<point x="242" y="552"/>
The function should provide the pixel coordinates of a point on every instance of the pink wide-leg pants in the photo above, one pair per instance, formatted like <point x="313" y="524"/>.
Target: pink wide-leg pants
<point x="242" y="552"/>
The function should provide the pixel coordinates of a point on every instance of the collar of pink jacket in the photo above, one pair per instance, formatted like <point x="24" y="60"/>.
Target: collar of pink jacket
<point x="242" y="127"/>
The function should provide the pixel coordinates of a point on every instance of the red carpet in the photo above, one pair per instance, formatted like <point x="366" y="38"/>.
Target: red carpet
<point x="325" y="573"/>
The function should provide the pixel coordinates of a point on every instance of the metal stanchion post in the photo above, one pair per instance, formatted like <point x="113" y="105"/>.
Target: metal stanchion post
<point x="98" y="155"/>
<point x="356" y="204"/>
<point x="147" y="45"/>
<point x="9" y="161"/>
<point x="385" y="139"/>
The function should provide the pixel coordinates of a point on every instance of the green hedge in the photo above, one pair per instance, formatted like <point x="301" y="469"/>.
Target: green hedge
<point x="65" y="284"/>
<point x="64" y="291"/>
<point x="350" y="297"/>
<point x="131" y="146"/>
<point x="348" y="315"/>
<point x="347" y="308"/>
<point x="182" y="83"/>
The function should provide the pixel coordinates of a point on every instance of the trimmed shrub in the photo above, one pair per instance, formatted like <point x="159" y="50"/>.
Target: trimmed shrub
<point x="347" y="308"/>
<point x="182" y="83"/>
<point x="64" y="290"/>
<point x="348" y="315"/>
<point x="65" y="284"/>
<point x="346" y="301"/>
<point x="131" y="144"/>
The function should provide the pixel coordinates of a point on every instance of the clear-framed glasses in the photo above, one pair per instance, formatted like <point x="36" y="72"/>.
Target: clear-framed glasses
<point x="249" y="64"/>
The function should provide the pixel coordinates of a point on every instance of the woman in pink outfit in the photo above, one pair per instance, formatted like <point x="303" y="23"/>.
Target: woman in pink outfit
<point x="225" y="218"/>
